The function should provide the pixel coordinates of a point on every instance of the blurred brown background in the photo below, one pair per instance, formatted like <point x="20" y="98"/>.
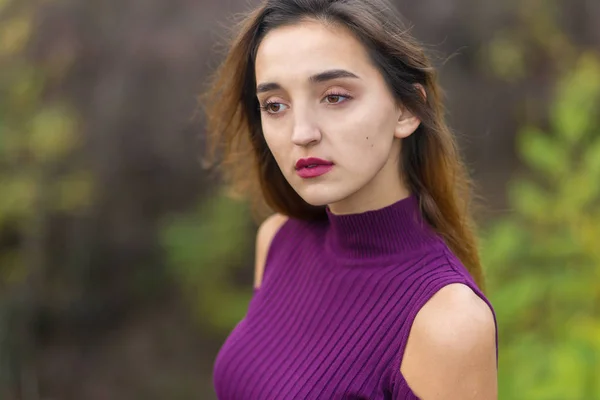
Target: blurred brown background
<point x="123" y="266"/>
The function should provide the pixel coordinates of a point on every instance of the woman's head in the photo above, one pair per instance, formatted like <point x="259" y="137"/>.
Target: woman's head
<point x="321" y="96"/>
<point x="340" y="80"/>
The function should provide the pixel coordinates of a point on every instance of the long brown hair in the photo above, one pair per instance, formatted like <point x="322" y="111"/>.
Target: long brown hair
<point x="431" y="165"/>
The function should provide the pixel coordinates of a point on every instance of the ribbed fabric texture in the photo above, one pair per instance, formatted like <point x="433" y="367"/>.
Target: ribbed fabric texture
<point x="335" y="307"/>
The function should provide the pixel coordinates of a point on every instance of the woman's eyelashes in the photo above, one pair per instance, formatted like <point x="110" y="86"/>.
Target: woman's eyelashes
<point x="271" y="107"/>
<point x="274" y="108"/>
<point x="337" y="96"/>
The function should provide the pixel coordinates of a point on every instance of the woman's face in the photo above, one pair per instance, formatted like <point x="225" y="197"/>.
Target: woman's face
<point x="321" y="97"/>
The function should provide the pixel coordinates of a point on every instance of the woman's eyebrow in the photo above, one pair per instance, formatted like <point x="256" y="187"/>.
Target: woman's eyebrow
<point x="317" y="78"/>
<point x="332" y="74"/>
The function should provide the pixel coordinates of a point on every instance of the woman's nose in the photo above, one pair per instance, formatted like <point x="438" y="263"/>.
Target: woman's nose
<point x="305" y="133"/>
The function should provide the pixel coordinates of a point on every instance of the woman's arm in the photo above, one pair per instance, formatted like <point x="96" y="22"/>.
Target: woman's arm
<point x="451" y="349"/>
<point x="264" y="236"/>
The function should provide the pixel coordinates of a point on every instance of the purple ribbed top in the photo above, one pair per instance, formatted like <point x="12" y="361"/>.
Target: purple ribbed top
<point x="335" y="307"/>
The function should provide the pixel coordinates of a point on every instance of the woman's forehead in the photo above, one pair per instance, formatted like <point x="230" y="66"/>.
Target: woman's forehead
<point x="308" y="48"/>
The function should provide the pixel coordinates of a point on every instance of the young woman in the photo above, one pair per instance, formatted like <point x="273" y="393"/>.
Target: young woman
<point x="368" y="280"/>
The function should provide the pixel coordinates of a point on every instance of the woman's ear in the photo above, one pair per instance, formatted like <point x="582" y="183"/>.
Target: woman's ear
<point x="407" y="122"/>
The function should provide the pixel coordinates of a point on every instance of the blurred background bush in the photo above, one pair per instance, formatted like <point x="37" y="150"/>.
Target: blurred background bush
<point x="124" y="265"/>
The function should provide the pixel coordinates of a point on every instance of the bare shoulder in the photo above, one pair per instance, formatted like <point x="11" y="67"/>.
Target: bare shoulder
<point x="451" y="350"/>
<point x="264" y="237"/>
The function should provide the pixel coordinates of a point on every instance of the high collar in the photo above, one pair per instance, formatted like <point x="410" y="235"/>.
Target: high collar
<point x="389" y="231"/>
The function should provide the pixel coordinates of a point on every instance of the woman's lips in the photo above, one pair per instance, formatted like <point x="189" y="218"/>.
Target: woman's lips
<point x="314" y="171"/>
<point x="312" y="167"/>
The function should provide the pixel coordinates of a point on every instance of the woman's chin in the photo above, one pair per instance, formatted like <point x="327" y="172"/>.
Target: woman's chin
<point x="321" y="197"/>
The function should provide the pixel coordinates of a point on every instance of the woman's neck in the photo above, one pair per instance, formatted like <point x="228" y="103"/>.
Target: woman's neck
<point x="393" y="230"/>
<point x="369" y="198"/>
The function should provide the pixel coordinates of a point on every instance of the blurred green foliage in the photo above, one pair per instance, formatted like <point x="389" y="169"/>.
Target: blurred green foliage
<point x="37" y="136"/>
<point x="205" y="250"/>
<point x="532" y="43"/>
<point x="543" y="259"/>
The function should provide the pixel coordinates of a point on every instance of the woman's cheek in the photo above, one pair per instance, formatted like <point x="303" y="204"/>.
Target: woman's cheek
<point x="276" y="148"/>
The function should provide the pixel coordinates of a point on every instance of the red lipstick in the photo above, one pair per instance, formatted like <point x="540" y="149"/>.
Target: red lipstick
<point x="312" y="167"/>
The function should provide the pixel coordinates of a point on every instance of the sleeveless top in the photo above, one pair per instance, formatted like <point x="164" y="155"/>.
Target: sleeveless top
<point x="335" y="307"/>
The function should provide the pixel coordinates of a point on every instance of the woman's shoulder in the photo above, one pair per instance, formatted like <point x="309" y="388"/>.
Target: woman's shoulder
<point x="269" y="227"/>
<point x="452" y="343"/>
<point x="264" y="238"/>
<point x="281" y="234"/>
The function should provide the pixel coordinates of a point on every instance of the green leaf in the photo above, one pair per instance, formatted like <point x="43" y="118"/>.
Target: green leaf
<point x="52" y="134"/>
<point x="506" y="55"/>
<point x="18" y="196"/>
<point x="14" y="34"/>
<point x="530" y="200"/>
<point x="575" y="109"/>
<point x="503" y="240"/>
<point x="543" y="152"/>
<point x="591" y="158"/>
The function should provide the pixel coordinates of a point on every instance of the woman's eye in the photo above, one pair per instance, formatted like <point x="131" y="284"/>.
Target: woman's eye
<point x="335" y="98"/>
<point x="274" y="108"/>
<point x="277" y="108"/>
